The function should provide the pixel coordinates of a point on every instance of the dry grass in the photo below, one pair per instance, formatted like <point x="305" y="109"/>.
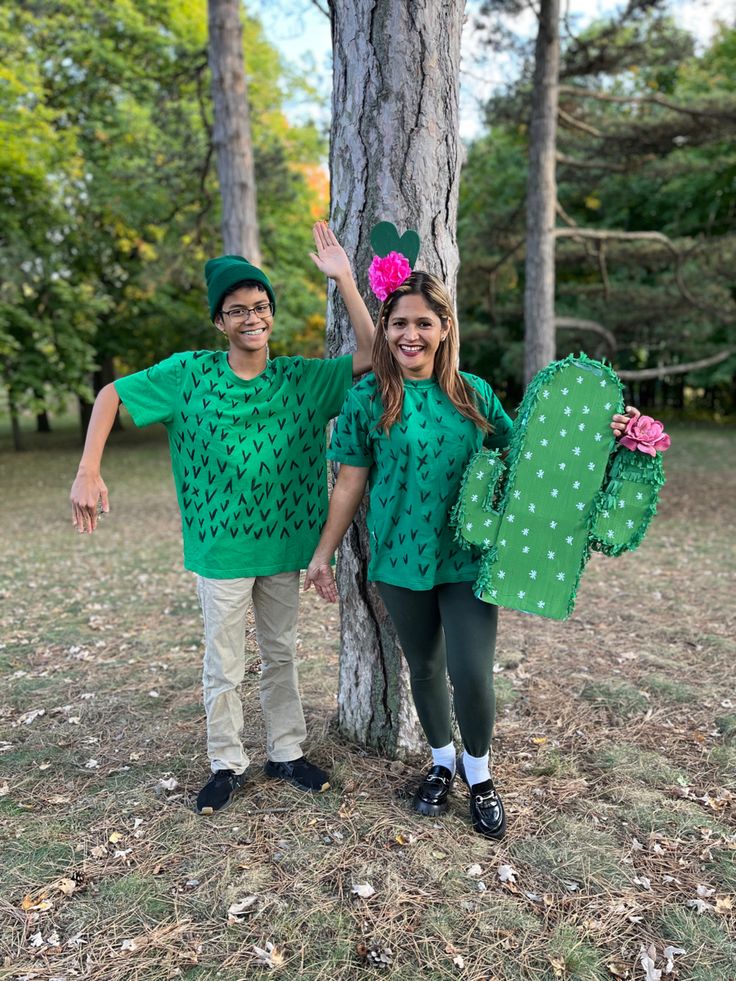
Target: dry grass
<point x="614" y="752"/>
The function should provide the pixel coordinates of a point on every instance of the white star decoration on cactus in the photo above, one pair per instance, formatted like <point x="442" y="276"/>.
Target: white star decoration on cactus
<point x="540" y="473"/>
<point x="576" y="450"/>
<point x="525" y="550"/>
<point x="488" y="522"/>
<point x="532" y="508"/>
<point x="525" y="531"/>
<point x="517" y="495"/>
<point x="528" y="455"/>
<point x="576" y="485"/>
<point x="480" y="475"/>
<point x="553" y="524"/>
<point x="550" y="555"/>
<point x="545" y="394"/>
<point x="597" y="437"/>
<point x="629" y="523"/>
<point x="474" y="498"/>
<point x="568" y="410"/>
<point x="569" y="539"/>
<point x="532" y="573"/>
<point x="561" y="576"/>
<point x="554" y="492"/>
<point x="522" y="593"/>
<point x="639" y="496"/>
<point x="579" y="379"/>
<point x="540" y="604"/>
<point x="563" y="433"/>
<point x="501" y="574"/>
<point x="586" y="410"/>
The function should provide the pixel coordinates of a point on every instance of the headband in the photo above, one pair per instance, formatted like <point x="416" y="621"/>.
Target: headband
<point x="394" y="259"/>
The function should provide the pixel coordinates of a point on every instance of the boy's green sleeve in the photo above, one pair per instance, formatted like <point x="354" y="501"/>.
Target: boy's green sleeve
<point x="152" y="395"/>
<point x="329" y="380"/>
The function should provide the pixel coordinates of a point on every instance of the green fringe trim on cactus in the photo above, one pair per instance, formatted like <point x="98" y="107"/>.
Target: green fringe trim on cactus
<point x="484" y="581"/>
<point x="459" y="512"/>
<point x="628" y="467"/>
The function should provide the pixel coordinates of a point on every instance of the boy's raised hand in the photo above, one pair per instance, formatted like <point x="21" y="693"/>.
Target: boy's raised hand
<point x="330" y="257"/>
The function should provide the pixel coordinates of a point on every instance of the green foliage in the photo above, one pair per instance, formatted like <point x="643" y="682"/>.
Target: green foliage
<point x="646" y="167"/>
<point x="108" y="192"/>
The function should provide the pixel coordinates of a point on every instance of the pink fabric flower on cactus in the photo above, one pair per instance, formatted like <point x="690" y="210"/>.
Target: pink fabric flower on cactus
<point x="646" y="435"/>
<point x="388" y="272"/>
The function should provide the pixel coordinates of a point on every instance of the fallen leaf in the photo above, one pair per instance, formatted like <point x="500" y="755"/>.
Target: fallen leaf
<point x="99" y="851"/>
<point x="647" y="960"/>
<point x="474" y="870"/>
<point x="438" y="855"/>
<point x="4" y="789"/>
<point x="619" y="970"/>
<point x="704" y="892"/>
<point x="92" y="765"/>
<point x="670" y="953"/>
<point x="458" y="962"/>
<point x="237" y="911"/>
<point x="115" y="837"/>
<point x="506" y="873"/>
<point x="128" y="945"/>
<point x="269" y="956"/>
<point x="66" y="886"/>
<point x="170" y="784"/>
<point x="363" y="889"/>
<point x="643" y="881"/>
<point x="699" y="905"/>
<point x="28" y="717"/>
<point x="724" y="904"/>
<point x="558" y="966"/>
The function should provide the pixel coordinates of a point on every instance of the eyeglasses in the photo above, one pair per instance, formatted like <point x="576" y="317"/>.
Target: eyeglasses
<point x="261" y="310"/>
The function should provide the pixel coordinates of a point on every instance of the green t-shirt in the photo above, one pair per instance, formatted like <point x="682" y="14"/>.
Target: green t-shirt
<point x="248" y="456"/>
<point x="415" y="477"/>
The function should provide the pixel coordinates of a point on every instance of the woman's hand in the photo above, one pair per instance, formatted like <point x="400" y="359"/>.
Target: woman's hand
<point x="619" y="422"/>
<point x="319" y="575"/>
<point x="330" y="257"/>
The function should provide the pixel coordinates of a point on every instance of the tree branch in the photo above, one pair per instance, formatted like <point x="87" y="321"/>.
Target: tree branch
<point x="591" y="164"/>
<point x="647" y="374"/>
<point x="574" y="123"/>
<point x="590" y="326"/>
<point x="656" y="100"/>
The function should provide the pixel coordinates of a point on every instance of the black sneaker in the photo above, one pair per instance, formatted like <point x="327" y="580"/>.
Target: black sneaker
<point x="301" y="773"/>
<point x="219" y="790"/>
<point x="431" y="796"/>
<point x="486" y="807"/>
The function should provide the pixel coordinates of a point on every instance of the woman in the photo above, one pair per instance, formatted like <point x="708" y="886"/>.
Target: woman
<point x="411" y="428"/>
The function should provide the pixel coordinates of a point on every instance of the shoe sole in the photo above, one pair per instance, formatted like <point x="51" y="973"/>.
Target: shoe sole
<point x="295" y="783"/>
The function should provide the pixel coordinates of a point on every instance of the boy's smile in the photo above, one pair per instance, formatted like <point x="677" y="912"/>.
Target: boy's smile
<point x="246" y="319"/>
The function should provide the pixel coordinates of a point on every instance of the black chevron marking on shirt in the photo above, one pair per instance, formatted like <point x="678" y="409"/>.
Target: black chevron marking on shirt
<point x="196" y="471"/>
<point x="421" y="548"/>
<point x="213" y="514"/>
<point x="206" y="402"/>
<point x="425" y="495"/>
<point x="189" y="521"/>
<point x="263" y="466"/>
<point x="298" y="524"/>
<point x="423" y="569"/>
<point x="264" y="514"/>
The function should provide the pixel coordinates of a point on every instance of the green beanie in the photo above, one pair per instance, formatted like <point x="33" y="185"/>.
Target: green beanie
<point x="225" y="272"/>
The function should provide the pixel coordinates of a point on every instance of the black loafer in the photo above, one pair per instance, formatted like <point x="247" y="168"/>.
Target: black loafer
<point x="486" y="807"/>
<point x="301" y="773"/>
<point x="431" y="797"/>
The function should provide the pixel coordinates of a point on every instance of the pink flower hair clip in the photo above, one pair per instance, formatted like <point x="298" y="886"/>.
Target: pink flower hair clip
<point x="394" y="259"/>
<point x="646" y="435"/>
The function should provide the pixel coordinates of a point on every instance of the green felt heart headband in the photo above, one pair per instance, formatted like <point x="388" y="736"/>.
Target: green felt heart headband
<point x="394" y="259"/>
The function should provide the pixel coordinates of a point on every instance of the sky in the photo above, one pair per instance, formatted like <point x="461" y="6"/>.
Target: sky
<point x="302" y="34"/>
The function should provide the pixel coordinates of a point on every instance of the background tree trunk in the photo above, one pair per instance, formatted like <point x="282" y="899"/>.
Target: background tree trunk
<point x="539" y="290"/>
<point x="394" y="156"/>
<point x="231" y="131"/>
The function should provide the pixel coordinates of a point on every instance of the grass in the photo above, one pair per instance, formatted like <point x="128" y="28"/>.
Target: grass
<point x="614" y="752"/>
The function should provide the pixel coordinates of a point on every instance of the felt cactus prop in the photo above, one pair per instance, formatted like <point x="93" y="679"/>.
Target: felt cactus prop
<point x="565" y="488"/>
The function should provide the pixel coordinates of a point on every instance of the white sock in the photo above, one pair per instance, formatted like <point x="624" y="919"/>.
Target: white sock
<point x="476" y="768"/>
<point x="444" y="756"/>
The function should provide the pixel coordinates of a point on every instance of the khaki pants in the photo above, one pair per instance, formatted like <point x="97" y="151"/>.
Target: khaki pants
<point x="225" y="604"/>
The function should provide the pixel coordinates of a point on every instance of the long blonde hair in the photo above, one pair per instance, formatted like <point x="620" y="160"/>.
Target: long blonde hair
<point x="461" y="393"/>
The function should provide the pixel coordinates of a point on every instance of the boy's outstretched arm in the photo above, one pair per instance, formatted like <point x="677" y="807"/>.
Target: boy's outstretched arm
<point x="346" y="496"/>
<point x="88" y="487"/>
<point x="331" y="259"/>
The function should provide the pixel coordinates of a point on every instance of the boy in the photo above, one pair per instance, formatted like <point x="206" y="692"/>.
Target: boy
<point x="247" y="443"/>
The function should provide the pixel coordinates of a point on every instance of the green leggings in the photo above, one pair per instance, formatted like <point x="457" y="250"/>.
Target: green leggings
<point x="446" y="630"/>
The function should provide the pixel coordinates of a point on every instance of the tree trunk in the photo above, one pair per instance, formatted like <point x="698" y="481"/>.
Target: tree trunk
<point x="103" y="376"/>
<point x="43" y="425"/>
<point x="231" y="131"/>
<point x="394" y="156"/>
<point x="15" y="425"/>
<point x="539" y="291"/>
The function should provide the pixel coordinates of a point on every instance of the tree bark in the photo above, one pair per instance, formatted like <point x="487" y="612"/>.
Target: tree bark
<point x="539" y="290"/>
<point x="394" y="156"/>
<point x="15" y="425"/>
<point x="43" y="423"/>
<point x="231" y="131"/>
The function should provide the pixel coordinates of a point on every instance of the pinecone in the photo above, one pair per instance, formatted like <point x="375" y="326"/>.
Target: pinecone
<point x="376" y="956"/>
